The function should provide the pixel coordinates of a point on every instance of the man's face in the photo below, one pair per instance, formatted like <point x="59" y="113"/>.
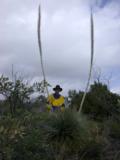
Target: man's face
<point x="57" y="91"/>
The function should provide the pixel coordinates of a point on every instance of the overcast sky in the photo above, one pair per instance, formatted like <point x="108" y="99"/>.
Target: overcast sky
<point x="65" y="40"/>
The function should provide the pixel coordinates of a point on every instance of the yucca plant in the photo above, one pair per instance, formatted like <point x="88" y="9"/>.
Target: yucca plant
<point x="64" y="133"/>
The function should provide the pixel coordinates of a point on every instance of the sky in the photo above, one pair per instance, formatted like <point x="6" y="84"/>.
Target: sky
<point x="65" y="41"/>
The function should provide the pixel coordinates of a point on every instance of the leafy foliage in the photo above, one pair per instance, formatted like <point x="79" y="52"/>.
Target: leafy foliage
<point x="48" y="136"/>
<point x="60" y="135"/>
<point x="16" y="93"/>
<point x="40" y="86"/>
<point x="100" y="103"/>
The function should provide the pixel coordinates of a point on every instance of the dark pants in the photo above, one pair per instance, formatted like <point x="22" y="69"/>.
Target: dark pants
<point x="54" y="108"/>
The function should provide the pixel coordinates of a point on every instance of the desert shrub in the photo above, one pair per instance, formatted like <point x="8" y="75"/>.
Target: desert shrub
<point x="115" y="130"/>
<point x="11" y="131"/>
<point x="69" y="134"/>
<point x="53" y="136"/>
<point x="31" y="147"/>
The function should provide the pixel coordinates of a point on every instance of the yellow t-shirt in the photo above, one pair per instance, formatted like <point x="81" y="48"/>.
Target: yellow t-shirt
<point x="56" y="102"/>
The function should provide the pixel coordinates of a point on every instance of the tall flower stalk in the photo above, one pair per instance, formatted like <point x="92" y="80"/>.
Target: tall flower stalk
<point x="91" y="60"/>
<point x="40" y="48"/>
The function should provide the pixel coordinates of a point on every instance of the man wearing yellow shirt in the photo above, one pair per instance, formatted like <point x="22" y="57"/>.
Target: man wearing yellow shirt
<point x="56" y="100"/>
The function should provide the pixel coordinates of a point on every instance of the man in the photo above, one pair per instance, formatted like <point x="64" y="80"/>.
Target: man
<point x="56" y="100"/>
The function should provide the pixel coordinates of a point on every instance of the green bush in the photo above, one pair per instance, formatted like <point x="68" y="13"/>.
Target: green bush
<point x="53" y="136"/>
<point x="31" y="147"/>
<point x="114" y="129"/>
<point x="69" y="134"/>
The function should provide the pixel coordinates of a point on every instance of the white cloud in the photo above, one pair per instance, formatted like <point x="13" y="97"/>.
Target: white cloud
<point x="65" y="39"/>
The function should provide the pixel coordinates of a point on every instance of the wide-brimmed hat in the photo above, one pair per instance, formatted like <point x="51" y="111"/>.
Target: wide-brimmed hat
<point x="58" y="88"/>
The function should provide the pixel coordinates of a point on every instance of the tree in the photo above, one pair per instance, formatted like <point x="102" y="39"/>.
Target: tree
<point x="75" y="98"/>
<point x="100" y="102"/>
<point x="15" y="93"/>
<point x="40" y="87"/>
